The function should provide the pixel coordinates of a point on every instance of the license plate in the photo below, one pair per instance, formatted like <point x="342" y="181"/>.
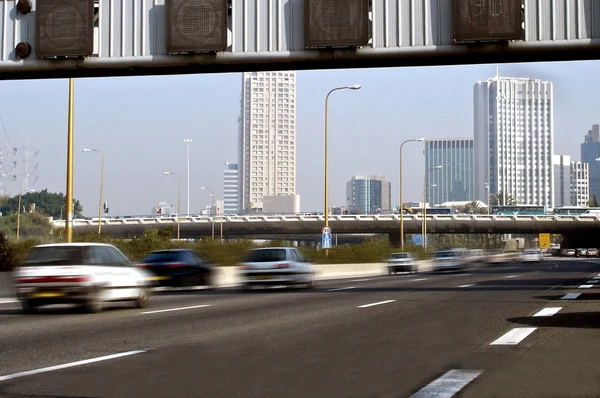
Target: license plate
<point x="47" y="294"/>
<point x="158" y="278"/>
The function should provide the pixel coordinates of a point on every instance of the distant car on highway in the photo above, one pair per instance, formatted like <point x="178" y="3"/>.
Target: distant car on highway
<point x="402" y="262"/>
<point x="532" y="255"/>
<point x="272" y="266"/>
<point x="448" y="260"/>
<point x="178" y="268"/>
<point x="88" y="274"/>
<point x="581" y="252"/>
<point x="592" y="252"/>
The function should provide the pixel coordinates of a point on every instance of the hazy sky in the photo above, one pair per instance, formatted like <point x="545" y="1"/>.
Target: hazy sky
<point x="140" y="124"/>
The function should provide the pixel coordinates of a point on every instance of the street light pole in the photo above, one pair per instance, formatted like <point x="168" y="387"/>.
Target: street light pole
<point x="188" y="141"/>
<point x="101" y="187"/>
<point x="424" y="243"/>
<point x="212" y="213"/>
<point x="178" y="199"/>
<point x="326" y="210"/>
<point x="487" y="196"/>
<point x="401" y="203"/>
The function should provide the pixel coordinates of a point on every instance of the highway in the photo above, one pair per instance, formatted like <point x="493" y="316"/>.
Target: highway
<point x="513" y="330"/>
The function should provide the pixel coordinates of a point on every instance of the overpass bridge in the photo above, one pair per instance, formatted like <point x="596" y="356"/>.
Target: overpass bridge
<point x="584" y="229"/>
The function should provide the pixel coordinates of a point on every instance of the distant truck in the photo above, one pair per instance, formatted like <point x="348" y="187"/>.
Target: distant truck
<point x="514" y="245"/>
<point x="162" y="209"/>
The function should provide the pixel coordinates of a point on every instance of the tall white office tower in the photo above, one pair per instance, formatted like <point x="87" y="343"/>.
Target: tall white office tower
<point x="230" y="189"/>
<point x="267" y="140"/>
<point x="514" y="139"/>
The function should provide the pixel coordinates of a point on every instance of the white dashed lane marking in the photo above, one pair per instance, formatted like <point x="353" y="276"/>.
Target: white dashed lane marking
<point x="469" y="285"/>
<point x="586" y="286"/>
<point x="570" y="296"/>
<point x="548" y="311"/>
<point x="341" y="288"/>
<point x="378" y="303"/>
<point x="447" y="385"/>
<point x="514" y="337"/>
<point x="175" y="309"/>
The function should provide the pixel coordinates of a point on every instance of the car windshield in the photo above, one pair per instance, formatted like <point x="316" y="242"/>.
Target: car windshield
<point x="55" y="255"/>
<point x="446" y="254"/>
<point x="163" y="257"/>
<point x="398" y="256"/>
<point x="266" y="255"/>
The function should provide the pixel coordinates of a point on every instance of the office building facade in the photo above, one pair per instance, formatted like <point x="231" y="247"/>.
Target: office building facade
<point x="590" y="151"/>
<point x="368" y="194"/>
<point x="267" y="138"/>
<point x="514" y="139"/>
<point x="230" y="189"/>
<point x="580" y="184"/>
<point x="454" y="180"/>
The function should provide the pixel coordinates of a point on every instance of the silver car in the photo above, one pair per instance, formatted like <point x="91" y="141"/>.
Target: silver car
<point x="450" y="260"/>
<point x="402" y="262"/>
<point x="272" y="266"/>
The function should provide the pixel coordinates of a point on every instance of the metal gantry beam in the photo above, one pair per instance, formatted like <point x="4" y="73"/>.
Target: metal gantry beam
<point x="131" y="37"/>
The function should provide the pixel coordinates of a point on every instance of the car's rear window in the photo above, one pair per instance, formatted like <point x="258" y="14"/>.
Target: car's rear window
<point x="59" y="255"/>
<point x="398" y="256"/>
<point x="266" y="255"/>
<point x="163" y="257"/>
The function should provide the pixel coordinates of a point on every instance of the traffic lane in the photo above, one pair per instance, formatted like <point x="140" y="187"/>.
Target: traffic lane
<point x="344" y="352"/>
<point x="557" y="360"/>
<point x="257" y="306"/>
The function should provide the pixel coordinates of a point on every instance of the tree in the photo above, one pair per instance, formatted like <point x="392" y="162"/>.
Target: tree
<point x="473" y="208"/>
<point x="593" y="202"/>
<point x="48" y="203"/>
<point x="502" y="199"/>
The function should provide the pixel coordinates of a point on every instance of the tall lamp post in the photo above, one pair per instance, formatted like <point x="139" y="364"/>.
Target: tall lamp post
<point x="168" y="173"/>
<point x="212" y="207"/>
<point x="487" y="196"/>
<point x="188" y="141"/>
<point x="425" y="203"/>
<point x="326" y="212"/>
<point x="101" y="186"/>
<point x="401" y="200"/>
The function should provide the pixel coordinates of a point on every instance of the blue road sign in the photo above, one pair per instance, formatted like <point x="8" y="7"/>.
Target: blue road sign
<point x="417" y="239"/>
<point x="326" y="241"/>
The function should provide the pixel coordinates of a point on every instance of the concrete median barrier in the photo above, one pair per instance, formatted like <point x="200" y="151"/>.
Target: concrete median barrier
<point x="227" y="276"/>
<point x="6" y="284"/>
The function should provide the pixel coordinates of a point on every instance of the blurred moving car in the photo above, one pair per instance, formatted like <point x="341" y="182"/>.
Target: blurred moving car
<point x="448" y="260"/>
<point x="402" y="262"/>
<point x="178" y="268"/>
<point x="581" y="252"/>
<point x="496" y="256"/>
<point x="276" y="266"/>
<point x="532" y="255"/>
<point x="88" y="274"/>
<point x="592" y="252"/>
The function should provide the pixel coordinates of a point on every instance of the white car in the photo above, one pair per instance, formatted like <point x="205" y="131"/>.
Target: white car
<point x="450" y="260"/>
<point x="88" y="274"/>
<point x="532" y="255"/>
<point x="276" y="266"/>
<point x="402" y="262"/>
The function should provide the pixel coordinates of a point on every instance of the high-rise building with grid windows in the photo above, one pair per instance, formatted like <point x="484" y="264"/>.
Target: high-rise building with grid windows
<point x="514" y="139"/>
<point x="267" y="140"/>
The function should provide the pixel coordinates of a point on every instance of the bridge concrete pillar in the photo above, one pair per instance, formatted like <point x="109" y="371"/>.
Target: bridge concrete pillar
<point x="394" y="238"/>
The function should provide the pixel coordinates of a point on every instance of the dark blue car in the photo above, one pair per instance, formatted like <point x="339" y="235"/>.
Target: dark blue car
<point x="178" y="268"/>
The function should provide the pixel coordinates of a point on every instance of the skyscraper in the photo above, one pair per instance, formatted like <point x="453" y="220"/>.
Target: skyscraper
<point x="230" y="189"/>
<point x="514" y="139"/>
<point x="571" y="182"/>
<point x="367" y="194"/>
<point x="267" y="140"/>
<point x="590" y="151"/>
<point x="454" y="181"/>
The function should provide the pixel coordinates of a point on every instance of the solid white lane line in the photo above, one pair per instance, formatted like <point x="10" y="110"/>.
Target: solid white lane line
<point x="586" y="286"/>
<point x="548" y="311"/>
<point x="361" y="280"/>
<point x="378" y="303"/>
<point x="513" y="337"/>
<point x="341" y="288"/>
<point x="69" y="365"/>
<point x="510" y="276"/>
<point x="447" y="385"/>
<point x="8" y="301"/>
<point x="176" y="309"/>
<point x="469" y="285"/>
<point x="418" y="280"/>
<point x="570" y="296"/>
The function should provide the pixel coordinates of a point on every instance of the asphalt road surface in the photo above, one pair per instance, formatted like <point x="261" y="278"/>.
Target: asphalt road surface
<point x="514" y="330"/>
